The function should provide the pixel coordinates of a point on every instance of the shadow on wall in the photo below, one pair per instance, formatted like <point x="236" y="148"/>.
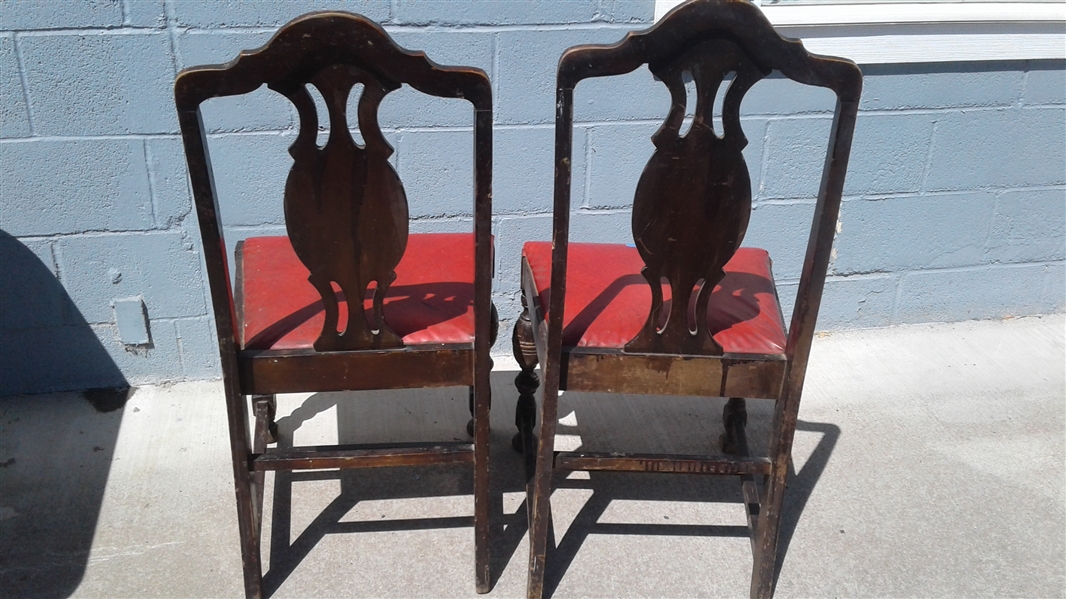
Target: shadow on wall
<point x="55" y="450"/>
<point x="45" y="343"/>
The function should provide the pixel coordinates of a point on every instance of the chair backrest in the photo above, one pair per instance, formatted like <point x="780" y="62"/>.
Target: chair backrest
<point x="345" y="208"/>
<point x="693" y="199"/>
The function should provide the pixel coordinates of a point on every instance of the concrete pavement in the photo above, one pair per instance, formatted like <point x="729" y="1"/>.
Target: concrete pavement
<point x="929" y="462"/>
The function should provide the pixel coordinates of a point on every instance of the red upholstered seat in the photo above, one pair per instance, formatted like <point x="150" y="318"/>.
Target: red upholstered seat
<point x="431" y="301"/>
<point x="607" y="299"/>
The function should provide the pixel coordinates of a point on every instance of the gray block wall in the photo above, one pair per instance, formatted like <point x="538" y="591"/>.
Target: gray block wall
<point x="955" y="205"/>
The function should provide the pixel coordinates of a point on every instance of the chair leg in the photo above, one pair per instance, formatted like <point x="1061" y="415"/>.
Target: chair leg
<point x="524" y="441"/>
<point x="734" y="414"/>
<point x="245" y="486"/>
<point x="250" y="553"/>
<point x="783" y="430"/>
<point x="480" y="406"/>
<point x="470" y="423"/>
<point x="527" y="382"/>
<point x="540" y="505"/>
<point x="539" y="489"/>
<point x="494" y="330"/>
<point x="482" y="505"/>
<point x="264" y="407"/>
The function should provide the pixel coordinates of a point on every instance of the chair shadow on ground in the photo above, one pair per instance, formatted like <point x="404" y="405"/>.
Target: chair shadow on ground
<point x="378" y="417"/>
<point x="610" y="423"/>
<point x="365" y="417"/>
<point x="607" y="487"/>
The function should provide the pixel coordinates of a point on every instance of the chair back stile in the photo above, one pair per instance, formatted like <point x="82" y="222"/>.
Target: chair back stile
<point x="820" y="242"/>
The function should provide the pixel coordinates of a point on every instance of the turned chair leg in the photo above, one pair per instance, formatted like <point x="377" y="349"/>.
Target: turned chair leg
<point x="527" y="382"/>
<point x="734" y="419"/>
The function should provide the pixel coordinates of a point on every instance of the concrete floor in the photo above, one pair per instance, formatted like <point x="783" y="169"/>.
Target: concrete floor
<point x="929" y="462"/>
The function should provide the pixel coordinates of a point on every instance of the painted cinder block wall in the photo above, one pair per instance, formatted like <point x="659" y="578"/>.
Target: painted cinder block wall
<point x="955" y="205"/>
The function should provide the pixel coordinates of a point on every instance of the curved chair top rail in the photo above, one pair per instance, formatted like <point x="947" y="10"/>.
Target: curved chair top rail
<point x="693" y="22"/>
<point x="309" y="43"/>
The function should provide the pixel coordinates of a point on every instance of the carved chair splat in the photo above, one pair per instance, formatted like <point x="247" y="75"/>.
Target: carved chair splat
<point x="597" y="317"/>
<point x="348" y="300"/>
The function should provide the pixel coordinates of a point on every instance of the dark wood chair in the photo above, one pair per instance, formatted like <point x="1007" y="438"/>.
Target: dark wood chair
<point x="598" y="318"/>
<point x="424" y="316"/>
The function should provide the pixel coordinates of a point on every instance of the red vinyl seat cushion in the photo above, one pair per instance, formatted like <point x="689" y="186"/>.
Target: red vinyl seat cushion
<point x="431" y="301"/>
<point x="607" y="299"/>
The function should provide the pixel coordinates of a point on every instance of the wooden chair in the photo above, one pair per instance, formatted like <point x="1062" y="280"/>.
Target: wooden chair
<point x="595" y="326"/>
<point x="425" y="317"/>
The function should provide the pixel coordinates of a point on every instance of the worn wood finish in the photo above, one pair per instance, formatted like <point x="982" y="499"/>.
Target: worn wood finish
<point x="310" y="458"/>
<point x="346" y="216"/>
<point x="296" y="371"/>
<point x="605" y="371"/>
<point x="675" y="463"/>
<point x="494" y="330"/>
<point x="690" y="212"/>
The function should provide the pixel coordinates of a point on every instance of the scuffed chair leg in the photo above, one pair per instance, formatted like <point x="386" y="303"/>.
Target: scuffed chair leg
<point x="248" y="484"/>
<point x="264" y="408"/>
<point x="767" y="535"/>
<point x="734" y="419"/>
<point x="538" y="494"/>
<point x="470" y="423"/>
<point x="480" y="404"/>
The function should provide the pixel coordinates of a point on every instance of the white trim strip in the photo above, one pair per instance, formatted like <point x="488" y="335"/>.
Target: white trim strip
<point x="906" y="32"/>
<point x="884" y="49"/>
<point x="911" y="12"/>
